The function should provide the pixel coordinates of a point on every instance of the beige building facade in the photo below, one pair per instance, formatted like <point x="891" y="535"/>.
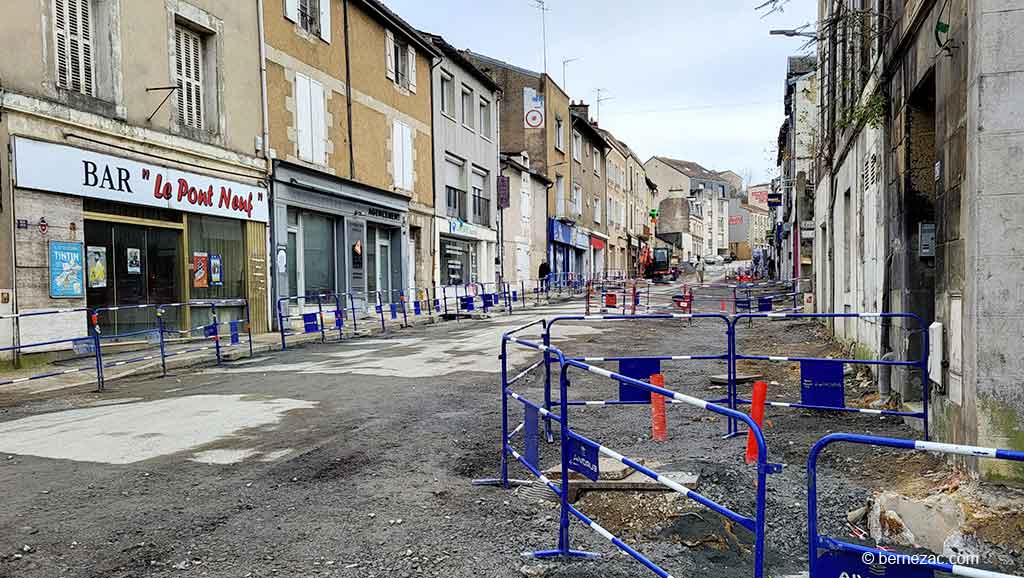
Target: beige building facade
<point x="349" y="101"/>
<point x="136" y="172"/>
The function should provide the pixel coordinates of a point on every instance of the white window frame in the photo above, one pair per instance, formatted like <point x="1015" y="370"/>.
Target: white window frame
<point x="597" y="161"/>
<point x="468" y="107"/>
<point x="560" y="208"/>
<point x="559" y="134"/>
<point x="447" y="93"/>
<point x="189" y="73"/>
<point x="597" y="209"/>
<point x="486" y="114"/>
<point x="577" y="200"/>
<point x="577" y="146"/>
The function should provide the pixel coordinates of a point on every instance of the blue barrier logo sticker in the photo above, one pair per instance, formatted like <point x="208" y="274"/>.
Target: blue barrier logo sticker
<point x="339" y="319"/>
<point x="821" y="383"/>
<point x="310" y="322"/>
<point x="210" y="330"/>
<point x="743" y="304"/>
<point x="765" y="303"/>
<point x="583" y="458"/>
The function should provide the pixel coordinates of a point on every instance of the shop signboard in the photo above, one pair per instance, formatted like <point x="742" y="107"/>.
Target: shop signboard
<point x="561" y="233"/>
<point x="73" y="171"/>
<point x="67" y="270"/>
<point x="580" y="239"/>
<point x="533" y="108"/>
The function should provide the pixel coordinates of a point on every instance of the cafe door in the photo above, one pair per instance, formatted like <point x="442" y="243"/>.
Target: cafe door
<point x="130" y="264"/>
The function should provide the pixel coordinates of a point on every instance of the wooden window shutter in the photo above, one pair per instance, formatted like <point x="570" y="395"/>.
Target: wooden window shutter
<point x="74" y="49"/>
<point x="389" y="53"/>
<point x="291" y="10"/>
<point x="189" y="69"/>
<point x="325" y="20"/>
<point x="412" y="69"/>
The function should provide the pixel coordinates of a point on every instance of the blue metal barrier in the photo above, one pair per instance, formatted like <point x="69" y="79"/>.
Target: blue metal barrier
<point x="580" y="454"/>
<point x="315" y="321"/>
<point x="829" y="557"/>
<point x="206" y="331"/>
<point x="822" y="378"/>
<point x="82" y="345"/>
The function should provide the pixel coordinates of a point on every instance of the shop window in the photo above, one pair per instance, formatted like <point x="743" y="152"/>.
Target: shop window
<point x="318" y="253"/>
<point x="212" y="239"/>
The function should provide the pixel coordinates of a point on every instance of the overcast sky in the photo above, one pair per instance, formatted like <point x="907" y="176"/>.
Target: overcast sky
<point x="692" y="79"/>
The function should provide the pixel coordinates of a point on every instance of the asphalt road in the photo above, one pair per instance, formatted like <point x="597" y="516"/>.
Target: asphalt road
<point x="355" y="459"/>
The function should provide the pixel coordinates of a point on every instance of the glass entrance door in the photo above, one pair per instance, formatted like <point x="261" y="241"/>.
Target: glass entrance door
<point x="132" y="265"/>
<point x="384" y="268"/>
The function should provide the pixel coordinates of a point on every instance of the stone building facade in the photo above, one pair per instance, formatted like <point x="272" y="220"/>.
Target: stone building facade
<point x="134" y="166"/>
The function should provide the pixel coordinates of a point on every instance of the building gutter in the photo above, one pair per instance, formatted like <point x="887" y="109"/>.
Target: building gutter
<point x="264" y="98"/>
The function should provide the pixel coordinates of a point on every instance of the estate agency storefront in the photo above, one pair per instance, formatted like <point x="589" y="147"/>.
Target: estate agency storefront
<point x="467" y="252"/>
<point x="113" y="231"/>
<point x="331" y="235"/>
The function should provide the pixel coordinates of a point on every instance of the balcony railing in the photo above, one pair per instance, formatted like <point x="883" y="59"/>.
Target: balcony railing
<point x="481" y="211"/>
<point x="455" y="203"/>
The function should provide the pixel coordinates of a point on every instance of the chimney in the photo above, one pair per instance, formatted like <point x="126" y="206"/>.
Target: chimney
<point x="581" y="110"/>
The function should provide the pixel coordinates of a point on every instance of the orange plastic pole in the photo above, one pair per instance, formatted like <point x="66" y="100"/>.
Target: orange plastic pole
<point x="659" y="425"/>
<point x="757" y="414"/>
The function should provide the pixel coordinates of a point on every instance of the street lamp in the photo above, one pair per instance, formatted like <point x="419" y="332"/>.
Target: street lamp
<point x="793" y="32"/>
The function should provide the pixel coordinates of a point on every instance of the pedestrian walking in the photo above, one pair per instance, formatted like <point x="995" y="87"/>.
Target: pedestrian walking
<point x="543" y="273"/>
<point x="700" y="270"/>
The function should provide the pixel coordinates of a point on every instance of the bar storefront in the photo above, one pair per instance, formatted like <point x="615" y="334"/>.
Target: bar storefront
<point x="100" y="230"/>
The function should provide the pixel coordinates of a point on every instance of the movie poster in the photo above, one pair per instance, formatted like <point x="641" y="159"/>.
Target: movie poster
<point x="215" y="271"/>
<point x="96" y="259"/>
<point x="134" y="261"/>
<point x="200" y="270"/>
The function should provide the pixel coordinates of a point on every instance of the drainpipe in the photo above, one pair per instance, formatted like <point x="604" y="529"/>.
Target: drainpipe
<point x="263" y="83"/>
<point x="434" y="236"/>
<point x="348" y="95"/>
<point x="270" y="271"/>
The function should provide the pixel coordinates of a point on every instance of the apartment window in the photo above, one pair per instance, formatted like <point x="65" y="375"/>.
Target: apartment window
<point x="577" y="200"/>
<point x="310" y="120"/>
<point x="309" y="16"/>
<point x="467" y="106"/>
<point x="597" y="161"/>
<point x="400" y="59"/>
<point x="597" y="209"/>
<point x="401" y="155"/>
<point x="189" y="71"/>
<point x="312" y="16"/>
<point x="455" y="189"/>
<point x="577" y="145"/>
<point x="481" y="199"/>
<point x="559" y="133"/>
<point x="73" y="25"/>
<point x="485" y="118"/>
<point x="447" y="94"/>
